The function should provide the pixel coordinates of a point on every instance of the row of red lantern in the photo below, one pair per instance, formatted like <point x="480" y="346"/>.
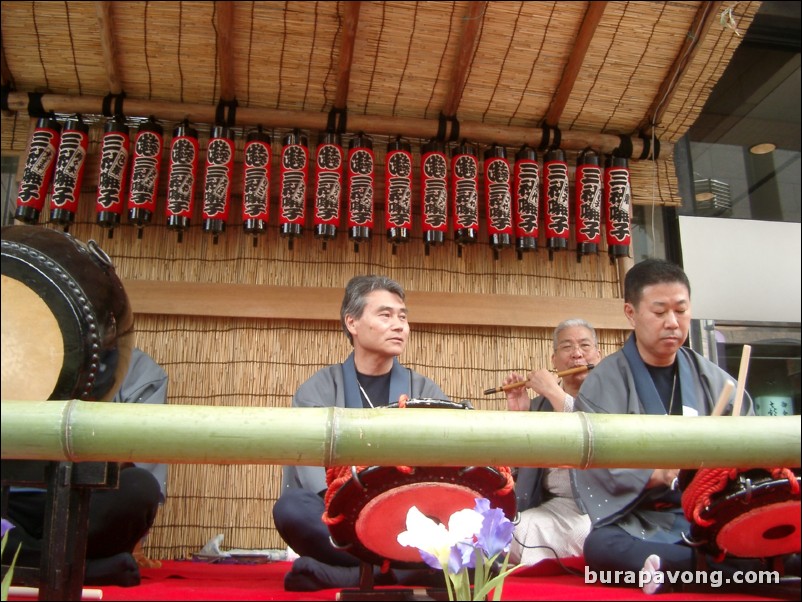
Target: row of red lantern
<point x="514" y="199"/>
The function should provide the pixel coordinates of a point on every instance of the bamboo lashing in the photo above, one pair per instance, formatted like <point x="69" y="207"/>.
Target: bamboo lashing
<point x="742" y="372"/>
<point x="82" y="431"/>
<point x="559" y="374"/>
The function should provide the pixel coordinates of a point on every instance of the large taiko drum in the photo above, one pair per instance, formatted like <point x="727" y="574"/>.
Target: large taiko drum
<point x="747" y="514"/>
<point x="67" y="325"/>
<point x="366" y="506"/>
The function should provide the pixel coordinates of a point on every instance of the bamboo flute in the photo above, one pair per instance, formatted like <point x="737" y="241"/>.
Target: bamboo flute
<point x="521" y="383"/>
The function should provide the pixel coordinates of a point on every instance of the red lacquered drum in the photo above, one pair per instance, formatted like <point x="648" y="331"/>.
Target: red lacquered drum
<point x="366" y="506"/>
<point x="67" y="322"/>
<point x="747" y="514"/>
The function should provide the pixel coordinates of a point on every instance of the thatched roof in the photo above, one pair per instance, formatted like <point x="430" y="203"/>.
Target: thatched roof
<point x="594" y="70"/>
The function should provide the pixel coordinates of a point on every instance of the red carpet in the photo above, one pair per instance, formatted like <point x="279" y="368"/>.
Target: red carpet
<point x="186" y="580"/>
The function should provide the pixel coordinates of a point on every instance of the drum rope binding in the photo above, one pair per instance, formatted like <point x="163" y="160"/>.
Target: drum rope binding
<point x="708" y="482"/>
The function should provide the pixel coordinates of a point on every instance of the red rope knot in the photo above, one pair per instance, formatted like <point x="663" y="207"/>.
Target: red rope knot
<point x="328" y="520"/>
<point x="509" y="482"/>
<point x="787" y="473"/>
<point x="706" y="483"/>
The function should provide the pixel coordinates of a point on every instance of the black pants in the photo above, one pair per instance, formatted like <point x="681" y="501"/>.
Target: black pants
<point x="118" y="518"/>
<point x="613" y="549"/>
<point x="297" y="515"/>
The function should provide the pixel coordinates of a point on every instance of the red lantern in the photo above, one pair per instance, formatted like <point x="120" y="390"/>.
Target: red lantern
<point x="498" y="181"/>
<point x="70" y="166"/>
<point x="398" y="191"/>
<point x="328" y="186"/>
<point x="38" y="173"/>
<point x="114" y="153"/>
<point x="555" y="200"/>
<point x="617" y="207"/>
<point x="256" y="183"/>
<point x="434" y="193"/>
<point x="465" y="194"/>
<point x="588" y="187"/>
<point x="526" y="200"/>
<point x="219" y="180"/>
<point x="293" y="179"/>
<point x="361" y="167"/>
<point x="145" y="170"/>
<point x="181" y="178"/>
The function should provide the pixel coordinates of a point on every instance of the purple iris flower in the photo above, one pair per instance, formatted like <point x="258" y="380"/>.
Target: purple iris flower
<point x="496" y="533"/>
<point x="462" y="556"/>
<point x="6" y="526"/>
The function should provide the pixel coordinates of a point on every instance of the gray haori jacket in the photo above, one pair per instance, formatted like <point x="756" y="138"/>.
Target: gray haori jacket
<point x="621" y="384"/>
<point x="336" y="386"/>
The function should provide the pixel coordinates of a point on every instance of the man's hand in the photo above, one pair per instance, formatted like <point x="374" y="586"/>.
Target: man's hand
<point x="517" y="398"/>
<point x="663" y="476"/>
<point x="545" y="383"/>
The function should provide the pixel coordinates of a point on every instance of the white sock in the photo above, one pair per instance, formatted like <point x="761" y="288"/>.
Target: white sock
<point x="652" y="568"/>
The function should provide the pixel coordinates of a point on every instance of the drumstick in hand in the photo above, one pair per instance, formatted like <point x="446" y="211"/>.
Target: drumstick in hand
<point x="521" y="383"/>
<point x="723" y="397"/>
<point x="739" y="391"/>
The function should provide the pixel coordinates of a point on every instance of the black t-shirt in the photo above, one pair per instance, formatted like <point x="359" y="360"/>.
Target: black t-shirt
<point x="375" y="389"/>
<point x="666" y="382"/>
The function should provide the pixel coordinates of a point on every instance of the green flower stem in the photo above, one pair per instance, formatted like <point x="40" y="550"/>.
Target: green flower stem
<point x="10" y="574"/>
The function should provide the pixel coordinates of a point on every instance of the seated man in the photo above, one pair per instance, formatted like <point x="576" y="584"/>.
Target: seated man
<point x="638" y="522"/>
<point x="551" y="525"/>
<point x="374" y="318"/>
<point x="118" y="518"/>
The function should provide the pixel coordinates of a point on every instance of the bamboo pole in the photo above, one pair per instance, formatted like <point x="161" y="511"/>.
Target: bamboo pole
<point x="410" y="127"/>
<point x="91" y="431"/>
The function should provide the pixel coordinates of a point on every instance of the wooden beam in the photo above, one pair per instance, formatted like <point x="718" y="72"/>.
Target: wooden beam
<point x="513" y="136"/>
<point x="705" y="16"/>
<point x="322" y="303"/>
<point x="467" y="47"/>
<point x="350" y="23"/>
<point x="225" y="59"/>
<point x="6" y="79"/>
<point x="574" y="64"/>
<point x="108" y="44"/>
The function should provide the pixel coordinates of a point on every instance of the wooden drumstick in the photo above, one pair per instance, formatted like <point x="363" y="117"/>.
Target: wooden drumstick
<point x="723" y="397"/>
<point x="739" y="391"/>
<point x="521" y="383"/>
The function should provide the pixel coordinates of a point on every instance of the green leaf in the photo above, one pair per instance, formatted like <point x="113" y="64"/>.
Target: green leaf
<point x="10" y="574"/>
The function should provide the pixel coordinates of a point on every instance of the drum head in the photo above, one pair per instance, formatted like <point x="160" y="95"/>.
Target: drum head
<point x="67" y="325"/>
<point x="373" y="506"/>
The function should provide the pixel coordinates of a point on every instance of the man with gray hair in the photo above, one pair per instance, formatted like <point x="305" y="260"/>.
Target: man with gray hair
<point x="551" y="525"/>
<point x="374" y="318"/>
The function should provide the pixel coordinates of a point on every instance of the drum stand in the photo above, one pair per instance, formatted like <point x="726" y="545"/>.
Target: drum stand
<point x="367" y="592"/>
<point x="69" y="486"/>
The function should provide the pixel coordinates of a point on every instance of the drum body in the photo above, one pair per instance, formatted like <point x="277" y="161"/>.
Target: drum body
<point x="367" y="506"/>
<point x="67" y="325"/>
<point x="755" y="515"/>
